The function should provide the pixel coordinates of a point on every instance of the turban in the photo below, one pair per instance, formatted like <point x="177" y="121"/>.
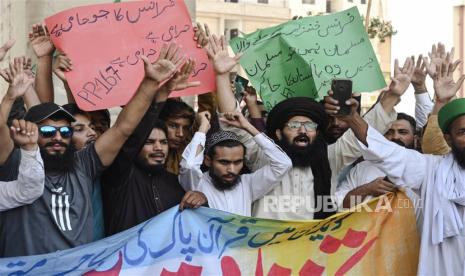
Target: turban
<point x="298" y="106"/>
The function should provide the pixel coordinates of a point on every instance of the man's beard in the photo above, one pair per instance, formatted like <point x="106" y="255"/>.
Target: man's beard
<point x="300" y="156"/>
<point x="222" y="185"/>
<point x="459" y="156"/>
<point x="58" y="162"/>
<point x="144" y="165"/>
<point x="400" y="143"/>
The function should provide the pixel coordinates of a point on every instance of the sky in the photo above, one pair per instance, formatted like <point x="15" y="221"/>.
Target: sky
<point x="419" y="24"/>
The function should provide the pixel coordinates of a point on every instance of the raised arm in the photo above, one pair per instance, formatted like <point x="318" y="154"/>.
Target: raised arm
<point x="277" y="165"/>
<point x="19" y="84"/>
<point x="109" y="144"/>
<point x="423" y="103"/>
<point x="192" y="157"/>
<point x="62" y="64"/>
<point x="218" y="52"/>
<point x="30" y="97"/>
<point x="445" y="89"/>
<point x="136" y="141"/>
<point x="43" y="48"/>
<point x="346" y="150"/>
<point x="403" y="166"/>
<point x="30" y="183"/>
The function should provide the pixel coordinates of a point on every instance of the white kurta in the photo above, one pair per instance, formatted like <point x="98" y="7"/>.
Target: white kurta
<point x="250" y="186"/>
<point x="412" y="169"/>
<point x="293" y="198"/>
<point x="363" y="173"/>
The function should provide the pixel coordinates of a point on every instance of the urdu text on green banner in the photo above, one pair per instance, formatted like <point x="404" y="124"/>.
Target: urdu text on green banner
<point x="301" y="57"/>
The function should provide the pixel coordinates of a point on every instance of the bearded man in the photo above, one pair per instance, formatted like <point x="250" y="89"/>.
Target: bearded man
<point x="224" y="184"/>
<point x="438" y="180"/>
<point x="365" y="180"/>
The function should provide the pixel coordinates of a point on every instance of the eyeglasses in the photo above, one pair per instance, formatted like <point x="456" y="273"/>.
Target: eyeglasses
<point x="309" y="126"/>
<point x="51" y="131"/>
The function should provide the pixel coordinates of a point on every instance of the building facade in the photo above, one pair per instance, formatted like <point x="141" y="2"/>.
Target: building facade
<point x="228" y="17"/>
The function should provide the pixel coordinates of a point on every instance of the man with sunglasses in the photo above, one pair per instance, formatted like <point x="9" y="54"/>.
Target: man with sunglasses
<point x="63" y="218"/>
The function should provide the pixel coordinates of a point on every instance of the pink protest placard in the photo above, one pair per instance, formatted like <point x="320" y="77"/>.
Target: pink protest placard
<point x="105" y="43"/>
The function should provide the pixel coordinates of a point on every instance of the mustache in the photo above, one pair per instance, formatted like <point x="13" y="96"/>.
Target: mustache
<point x="399" y="142"/>
<point x="51" y="144"/>
<point x="301" y="136"/>
<point x="231" y="175"/>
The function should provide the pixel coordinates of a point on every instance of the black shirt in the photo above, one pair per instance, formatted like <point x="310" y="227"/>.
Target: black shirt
<point x="61" y="218"/>
<point x="131" y="194"/>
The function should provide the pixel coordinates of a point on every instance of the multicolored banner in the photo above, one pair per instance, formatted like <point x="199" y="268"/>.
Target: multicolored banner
<point x="378" y="239"/>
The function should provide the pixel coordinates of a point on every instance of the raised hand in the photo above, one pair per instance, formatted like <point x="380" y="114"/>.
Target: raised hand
<point x="61" y="65"/>
<point x="201" y="35"/>
<point x="40" y="41"/>
<point x="402" y="77"/>
<point x="332" y="107"/>
<point x="5" y="48"/>
<point x="237" y="119"/>
<point x="19" y="80"/>
<point x="24" y="134"/>
<point x="419" y="75"/>
<point x="445" y="87"/>
<point x="203" y="119"/>
<point x="218" y="52"/>
<point x="437" y="56"/>
<point x="165" y="66"/>
<point x="24" y="62"/>
<point x="180" y="79"/>
<point x="192" y="199"/>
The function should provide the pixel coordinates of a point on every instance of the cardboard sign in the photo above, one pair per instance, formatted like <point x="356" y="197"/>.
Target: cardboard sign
<point x="301" y="57"/>
<point x="105" y="43"/>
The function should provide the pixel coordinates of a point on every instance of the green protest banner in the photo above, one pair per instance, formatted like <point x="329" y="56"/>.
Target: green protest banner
<point x="301" y="57"/>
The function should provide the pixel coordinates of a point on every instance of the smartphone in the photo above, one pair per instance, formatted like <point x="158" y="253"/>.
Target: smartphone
<point x="240" y="84"/>
<point x="242" y="81"/>
<point x="239" y="95"/>
<point x="342" y="91"/>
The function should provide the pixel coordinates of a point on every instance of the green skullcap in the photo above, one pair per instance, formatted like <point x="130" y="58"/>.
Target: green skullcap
<point x="450" y="112"/>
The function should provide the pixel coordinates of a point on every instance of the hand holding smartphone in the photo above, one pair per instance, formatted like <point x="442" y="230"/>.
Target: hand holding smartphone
<point x="342" y="91"/>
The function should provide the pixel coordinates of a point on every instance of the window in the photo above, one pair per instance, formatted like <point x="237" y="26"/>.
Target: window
<point x="231" y="1"/>
<point x="328" y="6"/>
<point x="363" y="1"/>
<point x="233" y="33"/>
<point x="350" y="1"/>
<point x="263" y="1"/>
<point x="308" y="2"/>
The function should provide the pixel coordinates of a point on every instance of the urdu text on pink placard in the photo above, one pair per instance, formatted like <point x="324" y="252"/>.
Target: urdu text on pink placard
<point x="105" y="43"/>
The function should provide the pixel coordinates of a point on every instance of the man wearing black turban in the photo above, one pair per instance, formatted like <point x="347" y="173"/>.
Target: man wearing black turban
<point x="297" y="125"/>
<point x="305" y="146"/>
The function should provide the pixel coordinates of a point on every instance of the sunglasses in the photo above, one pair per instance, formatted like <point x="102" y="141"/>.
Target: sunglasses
<point x="309" y="126"/>
<point x="51" y="131"/>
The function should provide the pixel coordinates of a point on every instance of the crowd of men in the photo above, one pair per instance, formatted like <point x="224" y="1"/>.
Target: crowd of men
<point x="69" y="177"/>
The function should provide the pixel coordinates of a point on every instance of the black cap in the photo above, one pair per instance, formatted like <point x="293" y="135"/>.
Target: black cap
<point x="44" y="111"/>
